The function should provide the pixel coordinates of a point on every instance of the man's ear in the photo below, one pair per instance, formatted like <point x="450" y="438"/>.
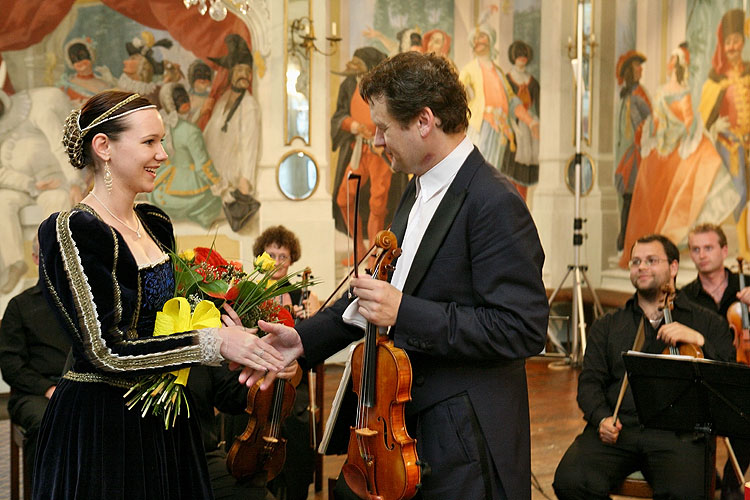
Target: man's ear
<point x="426" y="121"/>
<point x="100" y="146"/>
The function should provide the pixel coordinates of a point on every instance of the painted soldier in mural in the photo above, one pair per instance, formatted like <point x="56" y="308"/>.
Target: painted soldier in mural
<point x="635" y="107"/>
<point x="525" y="167"/>
<point x="725" y="111"/>
<point x="493" y="104"/>
<point x="233" y="133"/>
<point x="33" y="169"/>
<point x="352" y="131"/>
<point x="86" y="81"/>
<point x="140" y="67"/>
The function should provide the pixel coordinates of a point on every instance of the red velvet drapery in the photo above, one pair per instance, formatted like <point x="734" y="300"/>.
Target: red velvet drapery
<point x="26" y="22"/>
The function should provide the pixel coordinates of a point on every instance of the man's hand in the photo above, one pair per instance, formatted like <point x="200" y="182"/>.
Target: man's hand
<point x="677" y="332"/>
<point x="744" y="295"/>
<point x="282" y="339"/>
<point x="609" y="430"/>
<point x="378" y="300"/>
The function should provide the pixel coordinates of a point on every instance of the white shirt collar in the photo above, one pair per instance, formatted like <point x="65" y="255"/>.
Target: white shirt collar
<point x="441" y="175"/>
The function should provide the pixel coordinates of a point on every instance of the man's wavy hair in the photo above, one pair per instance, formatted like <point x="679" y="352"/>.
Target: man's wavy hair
<point x="412" y="81"/>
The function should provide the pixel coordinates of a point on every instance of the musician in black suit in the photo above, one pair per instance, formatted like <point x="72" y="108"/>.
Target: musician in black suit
<point x="33" y="350"/>
<point x="610" y="448"/>
<point x="716" y="288"/>
<point x="466" y="300"/>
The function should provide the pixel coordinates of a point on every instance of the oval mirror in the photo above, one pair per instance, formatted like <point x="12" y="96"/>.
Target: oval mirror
<point x="297" y="175"/>
<point x="588" y="174"/>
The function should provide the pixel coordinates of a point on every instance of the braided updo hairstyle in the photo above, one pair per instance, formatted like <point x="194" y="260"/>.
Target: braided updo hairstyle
<point x="98" y="108"/>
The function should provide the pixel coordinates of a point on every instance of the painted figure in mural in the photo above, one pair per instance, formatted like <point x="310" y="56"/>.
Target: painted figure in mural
<point x="80" y="57"/>
<point x="610" y="448"/>
<point x="437" y="41"/>
<point x="493" y="104"/>
<point x="187" y="187"/>
<point x="635" y="107"/>
<point x="406" y="39"/>
<point x="352" y="131"/>
<point x="139" y="68"/>
<point x="200" y="76"/>
<point x="679" y="166"/>
<point x="107" y="274"/>
<point x="524" y="171"/>
<point x="725" y="112"/>
<point x="33" y="169"/>
<point x="233" y="132"/>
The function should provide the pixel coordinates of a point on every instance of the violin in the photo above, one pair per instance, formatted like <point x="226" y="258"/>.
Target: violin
<point x="682" y="348"/>
<point x="260" y="448"/>
<point x="382" y="457"/>
<point x="739" y="322"/>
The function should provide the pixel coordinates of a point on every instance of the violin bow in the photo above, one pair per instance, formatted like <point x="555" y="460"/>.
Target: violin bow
<point x="640" y="338"/>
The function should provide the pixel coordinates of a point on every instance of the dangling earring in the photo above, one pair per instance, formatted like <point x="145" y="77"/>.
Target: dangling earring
<point x="107" y="177"/>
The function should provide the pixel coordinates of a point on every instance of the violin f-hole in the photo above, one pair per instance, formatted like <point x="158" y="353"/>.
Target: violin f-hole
<point x="385" y="434"/>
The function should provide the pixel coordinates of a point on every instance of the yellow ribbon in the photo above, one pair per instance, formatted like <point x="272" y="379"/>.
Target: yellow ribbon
<point x="175" y="317"/>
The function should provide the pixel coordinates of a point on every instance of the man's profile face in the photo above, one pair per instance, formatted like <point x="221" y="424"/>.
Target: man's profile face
<point x="2" y="109"/>
<point x="706" y="251"/>
<point x="242" y="76"/>
<point x="648" y="279"/>
<point x="401" y="144"/>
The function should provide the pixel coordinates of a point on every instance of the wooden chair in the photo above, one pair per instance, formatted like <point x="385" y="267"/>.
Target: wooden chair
<point x="17" y="439"/>
<point x="635" y="485"/>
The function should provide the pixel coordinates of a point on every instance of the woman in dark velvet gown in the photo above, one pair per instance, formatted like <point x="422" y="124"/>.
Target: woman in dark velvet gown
<point x="107" y="272"/>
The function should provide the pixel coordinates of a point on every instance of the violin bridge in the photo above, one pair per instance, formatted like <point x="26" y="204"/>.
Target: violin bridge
<point x="366" y="432"/>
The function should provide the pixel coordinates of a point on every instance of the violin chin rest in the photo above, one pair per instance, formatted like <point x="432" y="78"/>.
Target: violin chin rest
<point x="357" y="482"/>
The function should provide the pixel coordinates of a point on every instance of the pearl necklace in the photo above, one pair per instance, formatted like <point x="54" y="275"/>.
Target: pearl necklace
<point x="137" y="229"/>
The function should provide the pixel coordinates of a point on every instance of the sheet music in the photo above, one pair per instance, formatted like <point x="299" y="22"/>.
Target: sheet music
<point x="336" y="404"/>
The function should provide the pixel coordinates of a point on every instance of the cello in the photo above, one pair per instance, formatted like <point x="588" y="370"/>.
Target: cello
<point x="682" y="348"/>
<point x="739" y="322"/>
<point x="260" y="447"/>
<point x="382" y="457"/>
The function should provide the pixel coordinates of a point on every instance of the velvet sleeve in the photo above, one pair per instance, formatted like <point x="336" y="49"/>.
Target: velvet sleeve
<point x="91" y="279"/>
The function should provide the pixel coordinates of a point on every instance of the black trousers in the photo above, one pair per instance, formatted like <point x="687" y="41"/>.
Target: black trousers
<point x="451" y="442"/>
<point x="672" y="464"/>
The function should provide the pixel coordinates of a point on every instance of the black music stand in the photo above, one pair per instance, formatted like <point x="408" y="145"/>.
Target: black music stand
<point x="685" y="394"/>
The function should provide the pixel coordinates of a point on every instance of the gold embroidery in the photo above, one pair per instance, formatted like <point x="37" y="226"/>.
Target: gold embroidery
<point x="91" y="335"/>
<point x="98" y="377"/>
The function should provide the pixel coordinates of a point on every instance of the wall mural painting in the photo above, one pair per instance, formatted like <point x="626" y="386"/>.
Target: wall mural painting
<point x="682" y="147"/>
<point x="502" y="79"/>
<point x="200" y="78"/>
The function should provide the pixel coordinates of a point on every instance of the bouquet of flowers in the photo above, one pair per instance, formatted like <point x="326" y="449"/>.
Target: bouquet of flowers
<point x="204" y="281"/>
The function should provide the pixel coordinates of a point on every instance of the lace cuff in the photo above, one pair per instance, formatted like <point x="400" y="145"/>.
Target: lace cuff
<point x="210" y="344"/>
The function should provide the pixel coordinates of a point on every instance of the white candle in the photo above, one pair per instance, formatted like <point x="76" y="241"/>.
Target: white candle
<point x="333" y="28"/>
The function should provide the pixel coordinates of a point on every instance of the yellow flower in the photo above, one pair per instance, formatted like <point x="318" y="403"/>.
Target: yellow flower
<point x="187" y="255"/>
<point x="264" y="262"/>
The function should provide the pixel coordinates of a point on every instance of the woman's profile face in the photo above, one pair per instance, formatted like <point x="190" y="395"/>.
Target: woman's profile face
<point x="137" y="153"/>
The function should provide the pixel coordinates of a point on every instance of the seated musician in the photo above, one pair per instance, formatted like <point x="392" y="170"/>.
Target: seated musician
<point x="716" y="288"/>
<point x="297" y="474"/>
<point x="607" y="450"/>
